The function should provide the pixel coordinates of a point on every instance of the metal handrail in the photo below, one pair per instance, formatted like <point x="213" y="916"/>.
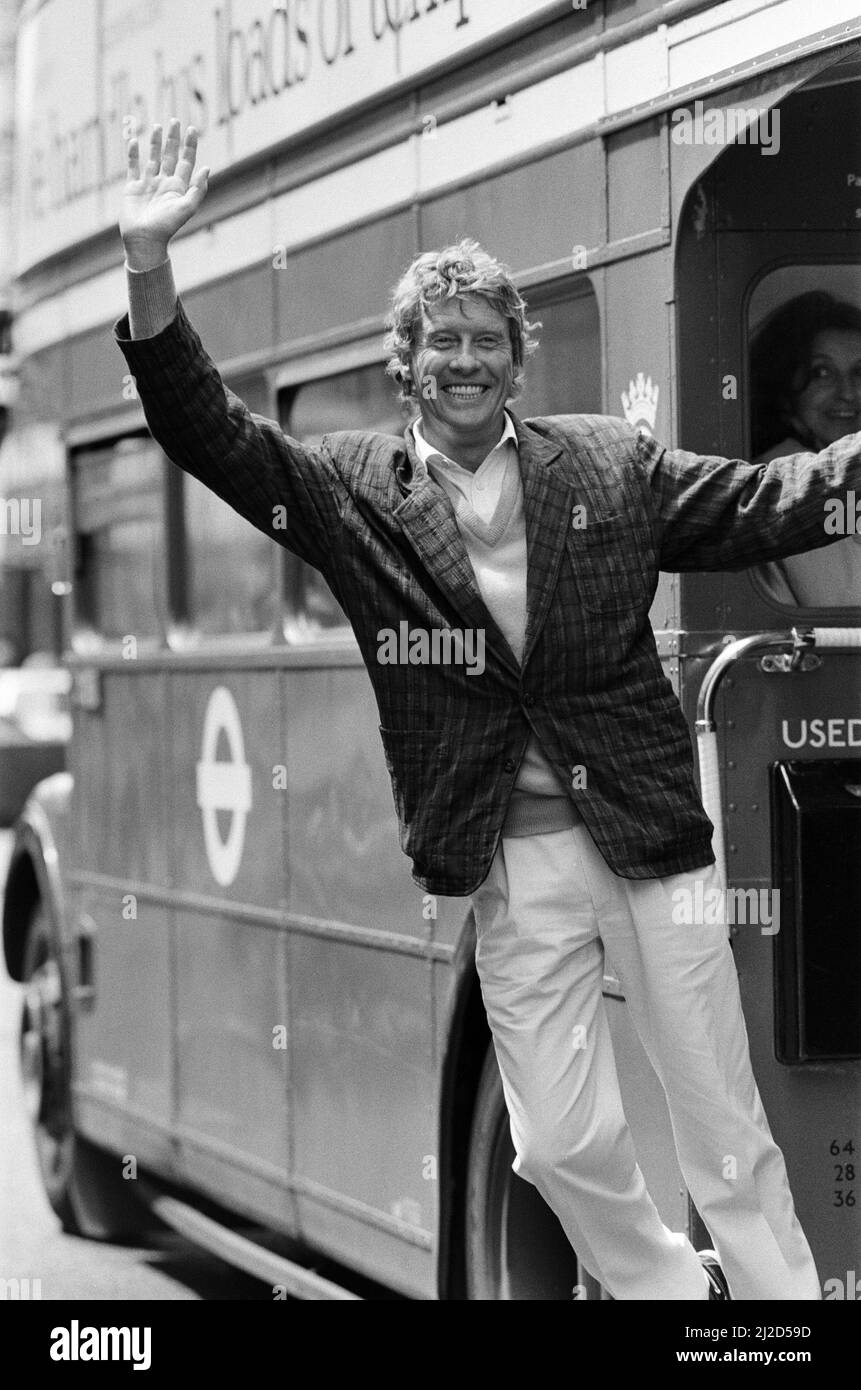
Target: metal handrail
<point x="803" y="641"/>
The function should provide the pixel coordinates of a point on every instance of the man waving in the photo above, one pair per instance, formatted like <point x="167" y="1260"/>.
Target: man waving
<point x="554" y="786"/>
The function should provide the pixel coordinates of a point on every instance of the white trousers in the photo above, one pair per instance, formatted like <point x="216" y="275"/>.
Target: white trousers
<point x="544" y="915"/>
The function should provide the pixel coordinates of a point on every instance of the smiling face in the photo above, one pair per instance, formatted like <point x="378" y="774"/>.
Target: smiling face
<point x="830" y="403"/>
<point x="463" y="371"/>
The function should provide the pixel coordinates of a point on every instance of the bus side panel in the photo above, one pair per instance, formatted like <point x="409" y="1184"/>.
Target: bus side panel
<point x="304" y="301"/>
<point x="233" y="1050"/>
<point x="124" y="1054"/>
<point x="237" y="315"/>
<point x="345" y="862"/>
<point x="639" y="368"/>
<point x="226" y="747"/>
<point x="43" y="378"/>
<point x="119" y="782"/>
<point x="226" y="832"/>
<point x="118" y="935"/>
<point x="363" y="1082"/>
<point x="364" y="1108"/>
<point x="500" y="210"/>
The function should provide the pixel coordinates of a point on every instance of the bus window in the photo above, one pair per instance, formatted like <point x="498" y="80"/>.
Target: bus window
<point x="119" y="515"/>
<point x="231" y="570"/>
<point x="805" y="392"/>
<point x="564" y="376"/>
<point x="361" y="399"/>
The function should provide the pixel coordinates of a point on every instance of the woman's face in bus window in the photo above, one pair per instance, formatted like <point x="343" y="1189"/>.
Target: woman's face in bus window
<point x="830" y="403"/>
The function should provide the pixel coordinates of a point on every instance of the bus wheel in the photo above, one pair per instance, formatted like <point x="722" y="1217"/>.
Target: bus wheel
<point x="82" y="1183"/>
<point x="515" y="1246"/>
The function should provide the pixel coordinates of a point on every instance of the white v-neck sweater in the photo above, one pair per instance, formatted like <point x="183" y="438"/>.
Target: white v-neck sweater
<point x="488" y="508"/>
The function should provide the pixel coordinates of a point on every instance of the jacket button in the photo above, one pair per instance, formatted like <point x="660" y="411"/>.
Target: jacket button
<point x="509" y="765"/>
<point x="529" y="701"/>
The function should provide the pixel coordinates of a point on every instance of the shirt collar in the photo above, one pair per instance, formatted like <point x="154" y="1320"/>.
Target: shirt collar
<point x="426" y="451"/>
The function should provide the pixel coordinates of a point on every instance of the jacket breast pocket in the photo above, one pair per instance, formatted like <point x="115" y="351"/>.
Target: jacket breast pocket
<point x="611" y="567"/>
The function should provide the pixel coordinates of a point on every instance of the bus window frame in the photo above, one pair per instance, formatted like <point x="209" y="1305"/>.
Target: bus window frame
<point x="177" y="631"/>
<point x="837" y="615"/>
<point x="289" y="379"/>
<point x="85" y="639"/>
<point x="183" y="636"/>
<point x="542" y="292"/>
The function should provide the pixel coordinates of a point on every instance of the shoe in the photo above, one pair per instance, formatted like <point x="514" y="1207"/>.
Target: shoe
<point x="718" y="1287"/>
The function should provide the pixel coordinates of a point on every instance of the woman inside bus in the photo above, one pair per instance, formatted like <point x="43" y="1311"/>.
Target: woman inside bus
<point x="806" y="387"/>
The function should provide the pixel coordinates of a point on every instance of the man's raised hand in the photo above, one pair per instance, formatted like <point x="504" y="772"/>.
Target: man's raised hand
<point x="161" y="198"/>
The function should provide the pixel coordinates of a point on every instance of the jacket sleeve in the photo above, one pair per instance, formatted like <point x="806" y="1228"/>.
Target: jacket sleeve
<point x="724" y="514"/>
<point x="292" y="493"/>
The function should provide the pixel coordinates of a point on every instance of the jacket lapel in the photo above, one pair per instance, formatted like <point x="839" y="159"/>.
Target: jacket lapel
<point x="550" y="493"/>
<point x="427" y="519"/>
<point x="549" y="496"/>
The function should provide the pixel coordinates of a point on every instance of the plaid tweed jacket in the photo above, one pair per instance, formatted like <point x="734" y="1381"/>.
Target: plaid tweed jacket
<point x="363" y="510"/>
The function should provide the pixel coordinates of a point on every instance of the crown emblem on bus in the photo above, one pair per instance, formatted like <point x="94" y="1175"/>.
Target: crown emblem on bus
<point x="640" y="402"/>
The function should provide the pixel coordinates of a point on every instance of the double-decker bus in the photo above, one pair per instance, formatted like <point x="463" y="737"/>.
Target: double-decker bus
<point x="239" y="1008"/>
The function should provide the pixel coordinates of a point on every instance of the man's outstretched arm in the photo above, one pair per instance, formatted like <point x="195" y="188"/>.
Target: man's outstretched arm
<point x="725" y="514"/>
<point x="288" y="491"/>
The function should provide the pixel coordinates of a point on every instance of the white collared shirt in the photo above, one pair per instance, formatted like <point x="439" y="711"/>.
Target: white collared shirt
<point x="482" y="488"/>
<point x="498" y="560"/>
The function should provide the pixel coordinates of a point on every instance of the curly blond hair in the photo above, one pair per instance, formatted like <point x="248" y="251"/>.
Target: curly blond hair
<point x="461" y="269"/>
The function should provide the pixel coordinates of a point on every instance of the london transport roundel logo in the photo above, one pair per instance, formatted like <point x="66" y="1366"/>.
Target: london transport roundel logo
<point x="223" y="786"/>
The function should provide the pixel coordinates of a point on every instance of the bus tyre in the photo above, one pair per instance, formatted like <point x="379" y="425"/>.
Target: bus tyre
<point x="83" y="1184"/>
<point x="515" y="1246"/>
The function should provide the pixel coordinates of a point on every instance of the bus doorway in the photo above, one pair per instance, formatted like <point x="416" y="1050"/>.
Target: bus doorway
<point x="768" y="296"/>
